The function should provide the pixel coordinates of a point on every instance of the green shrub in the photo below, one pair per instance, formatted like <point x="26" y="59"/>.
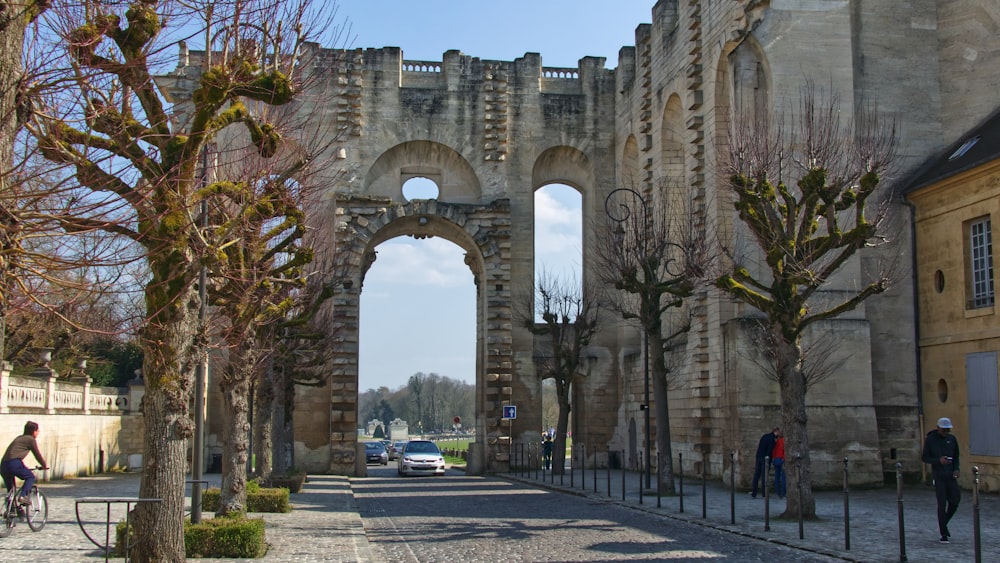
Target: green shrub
<point x="259" y="500"/>
<point x="235" y="536"/>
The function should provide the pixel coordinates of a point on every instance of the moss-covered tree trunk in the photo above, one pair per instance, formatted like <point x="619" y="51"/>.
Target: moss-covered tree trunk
<point x="794" y="424"/>
<point x="14" y="19"/>
<point x="235" y="387"/>
<point x="168" y="345"/>
<point x="263" y="421"/>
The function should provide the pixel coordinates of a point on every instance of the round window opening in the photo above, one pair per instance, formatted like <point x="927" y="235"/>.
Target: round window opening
<point x="419" y="188"/>
<point x="942" y="389"/>
<point x="939" y="281"/>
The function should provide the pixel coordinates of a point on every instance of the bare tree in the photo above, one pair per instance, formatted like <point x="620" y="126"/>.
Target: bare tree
<point x="656" y="258"/>
<point x="135" y="163"/>
<point x="804" y="194"/>
<point x="569" y="320"/>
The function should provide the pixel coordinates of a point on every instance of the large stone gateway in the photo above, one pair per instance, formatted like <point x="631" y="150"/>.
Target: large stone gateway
<point x="490" y="133"/>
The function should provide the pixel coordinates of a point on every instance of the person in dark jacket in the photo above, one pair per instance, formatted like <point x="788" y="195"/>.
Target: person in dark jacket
<point x="941" y="452"/>
<point x="13" y="460"/>
<point x="763" y="460"/>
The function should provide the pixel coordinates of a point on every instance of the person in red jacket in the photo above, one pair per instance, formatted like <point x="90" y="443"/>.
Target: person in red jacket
<point x="778" y="460"/>
<point x="13" y="460"/>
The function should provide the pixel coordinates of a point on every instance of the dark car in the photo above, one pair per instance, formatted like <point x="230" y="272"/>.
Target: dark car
<point x="375" y="453"/>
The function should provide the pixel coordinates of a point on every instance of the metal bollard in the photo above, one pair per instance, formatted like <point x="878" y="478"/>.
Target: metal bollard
<point x="609" y="472"/>
<point x="798" y="486"/>
<point x="732" y="487"/>
<point x="659" y="479"/>
<point x="847" y="510"/>
<point x="899" y="511"/>
<point x="977" y="544"/>
<point x="680" y="474"/>
<point x="641" y="466"/>
<point x="767" y="497"/>
<point x="572" y="466"/>
<point x="704" y="490"/>
<point x="594" y="467"/>
<point x="623" y="475"/>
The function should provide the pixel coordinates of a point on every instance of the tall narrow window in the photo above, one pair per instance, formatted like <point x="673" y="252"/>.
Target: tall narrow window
<point x="981" y="256"/>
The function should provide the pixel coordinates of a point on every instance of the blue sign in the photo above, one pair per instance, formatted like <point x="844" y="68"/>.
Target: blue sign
<point x="509" y="412"/>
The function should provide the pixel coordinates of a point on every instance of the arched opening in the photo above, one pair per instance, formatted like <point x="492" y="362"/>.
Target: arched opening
<point x="559" y="232"/>
<point x="417" y="339"/>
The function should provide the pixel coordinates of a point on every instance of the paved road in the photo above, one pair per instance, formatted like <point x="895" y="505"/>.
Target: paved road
<point x="521" y="518"/>
<point x="469" y="519"/>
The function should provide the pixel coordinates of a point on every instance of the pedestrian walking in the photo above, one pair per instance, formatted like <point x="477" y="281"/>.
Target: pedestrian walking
<point x="778" y="460"/>
<point x="765" y="447"/>
<point x="546" y="451"/>
<point x="941" y="452"/>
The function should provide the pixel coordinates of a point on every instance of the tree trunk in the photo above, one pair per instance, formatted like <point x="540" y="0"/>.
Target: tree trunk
<point x="798" y="466"/>
<point x="562" y="425"/>
<point x="168" y="370"/>
<point x="11" y="49"/>
<point x="263" y="422"/>
<point x="235" y="386"/>
<point x="664" y="448"/>
<point x="281" y="436"/>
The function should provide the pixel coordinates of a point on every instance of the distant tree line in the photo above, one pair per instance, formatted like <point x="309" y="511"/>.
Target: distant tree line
<point x="427" y="402"/>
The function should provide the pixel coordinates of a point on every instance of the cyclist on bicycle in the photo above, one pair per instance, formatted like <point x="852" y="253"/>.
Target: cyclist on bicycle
<point x="13" y="460"/>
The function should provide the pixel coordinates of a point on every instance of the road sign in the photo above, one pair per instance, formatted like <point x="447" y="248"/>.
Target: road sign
<point x="509" y="412"/>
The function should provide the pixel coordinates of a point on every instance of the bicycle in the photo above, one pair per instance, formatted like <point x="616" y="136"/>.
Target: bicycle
<point x="36" y="512"/>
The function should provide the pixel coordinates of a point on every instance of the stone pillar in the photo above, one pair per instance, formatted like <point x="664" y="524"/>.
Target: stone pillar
<point x="5" y="368"/>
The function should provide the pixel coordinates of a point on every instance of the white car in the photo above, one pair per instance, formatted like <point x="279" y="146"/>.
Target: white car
<point x="420" y="457"/>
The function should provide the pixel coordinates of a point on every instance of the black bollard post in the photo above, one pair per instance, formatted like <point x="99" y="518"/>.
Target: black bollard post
<point x="704" y="490"/>
<point x="609" y="472"/>
<point x="899" y="511"/>
<point x="976" y="539"/>
<point x="732" y="487"/>
<point x="798" y="486"/>
<point x="767" y="497"/>
<point x="623" y="475"/>
<point x="572" y="466"/>
<point x="659" y="479"/>
<point x="847" y="510"/>
<point x="680" y="473"/>
<point x="594" y="467"/>
<point x="583" y="469"/>
<point x="641" y="466"/>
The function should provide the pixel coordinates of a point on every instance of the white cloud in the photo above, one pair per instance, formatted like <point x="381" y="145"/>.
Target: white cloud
<point x="410" y="262"/>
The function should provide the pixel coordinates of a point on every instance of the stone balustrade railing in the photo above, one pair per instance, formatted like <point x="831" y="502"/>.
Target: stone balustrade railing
<point x="421" y="66"/>
<point x="45" y="392"/>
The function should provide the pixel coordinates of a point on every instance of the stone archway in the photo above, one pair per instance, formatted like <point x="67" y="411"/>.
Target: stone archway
<point x="481" y="230"/>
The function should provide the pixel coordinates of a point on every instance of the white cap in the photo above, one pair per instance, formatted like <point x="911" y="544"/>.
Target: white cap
<point x="944" y="422"/>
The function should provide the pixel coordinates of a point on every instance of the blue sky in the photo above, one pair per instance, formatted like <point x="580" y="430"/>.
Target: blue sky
<point x="417" y="303"/>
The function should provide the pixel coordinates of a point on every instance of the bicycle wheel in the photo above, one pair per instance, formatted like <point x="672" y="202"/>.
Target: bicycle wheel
<point x="38" y="510"/>
<point x="6" y="521"/>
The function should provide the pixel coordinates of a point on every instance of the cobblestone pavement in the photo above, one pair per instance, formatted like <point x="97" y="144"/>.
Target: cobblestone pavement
<point x="521" y="518"/>
<point x="472" y="519"/>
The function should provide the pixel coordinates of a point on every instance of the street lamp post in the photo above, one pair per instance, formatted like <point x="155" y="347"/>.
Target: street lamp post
<point x="625" y="213"/>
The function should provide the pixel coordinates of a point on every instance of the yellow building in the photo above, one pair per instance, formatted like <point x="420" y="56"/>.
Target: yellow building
<point x="955" y="199"/>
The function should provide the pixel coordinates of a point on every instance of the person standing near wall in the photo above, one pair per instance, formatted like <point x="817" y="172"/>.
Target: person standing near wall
<point x="941" y="452"/>
<point x="765" y="447"/>
<point x="778" y="459"/>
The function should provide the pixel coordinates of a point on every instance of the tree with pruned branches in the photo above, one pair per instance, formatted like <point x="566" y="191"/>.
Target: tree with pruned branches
<point x="655" y="258"/>
<point x="569" y="318"/>
<point x="807" y="196"/>
<point x="134" y="162"/>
